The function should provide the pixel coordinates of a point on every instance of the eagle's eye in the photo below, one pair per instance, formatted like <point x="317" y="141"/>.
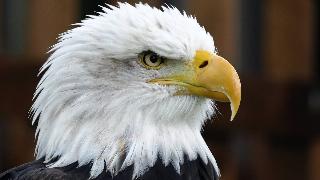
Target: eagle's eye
<point x="151" y="60"/>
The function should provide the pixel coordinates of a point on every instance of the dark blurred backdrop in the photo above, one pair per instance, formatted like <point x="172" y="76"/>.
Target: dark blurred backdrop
<point x="272" y="43"/>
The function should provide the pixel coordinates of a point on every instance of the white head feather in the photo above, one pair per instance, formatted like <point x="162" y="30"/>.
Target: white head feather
<point x="93" y="104"/>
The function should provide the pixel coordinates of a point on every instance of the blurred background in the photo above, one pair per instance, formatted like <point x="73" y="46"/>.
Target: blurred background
<point x="274" y="45"/>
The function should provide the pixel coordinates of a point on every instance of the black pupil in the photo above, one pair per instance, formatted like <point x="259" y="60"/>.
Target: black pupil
<point x="153" y="58"/>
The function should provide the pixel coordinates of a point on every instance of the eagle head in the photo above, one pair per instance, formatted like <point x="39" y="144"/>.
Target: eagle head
<point x="129" y="86"/>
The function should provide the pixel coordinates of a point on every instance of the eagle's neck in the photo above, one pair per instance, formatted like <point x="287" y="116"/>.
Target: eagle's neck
<point x="136" y="134"/>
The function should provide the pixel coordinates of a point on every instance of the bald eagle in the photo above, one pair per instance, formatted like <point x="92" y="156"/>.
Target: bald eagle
<point x="124" y="95"/>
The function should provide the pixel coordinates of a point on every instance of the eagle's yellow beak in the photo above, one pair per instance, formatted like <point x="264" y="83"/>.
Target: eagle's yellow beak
<point x="211" y="76"/>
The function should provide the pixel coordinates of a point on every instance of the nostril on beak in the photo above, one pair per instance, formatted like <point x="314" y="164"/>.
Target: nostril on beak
<point x="203" y="64"/>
